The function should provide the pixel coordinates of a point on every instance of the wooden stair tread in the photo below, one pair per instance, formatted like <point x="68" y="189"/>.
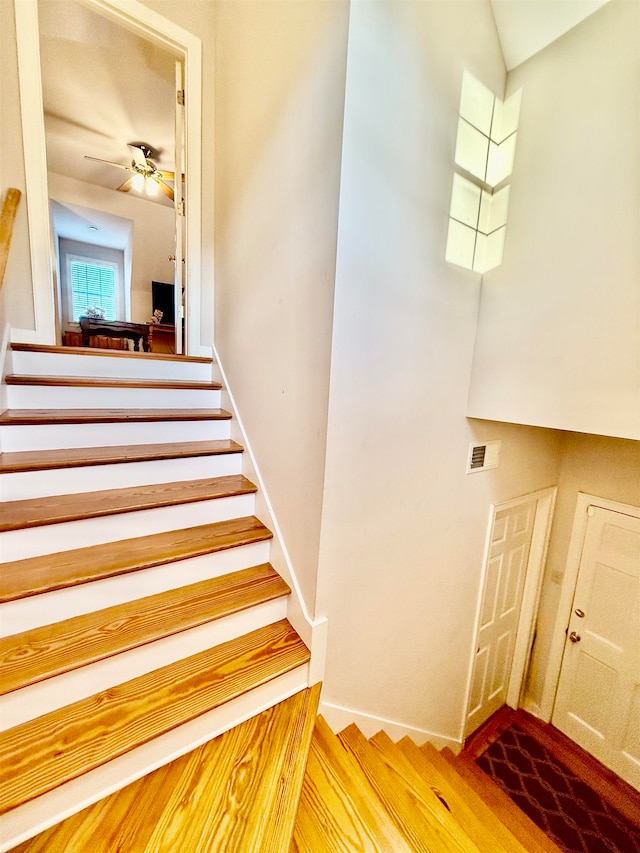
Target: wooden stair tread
<point x="155" y="356"/>
<point x="35" y="575"/>
<point x="43" y="753"/>
<point x="339" y="812"/>
<point x="43" y="652"/>
<point x="525" y="830"/>
<point x="41" y="460"/>
<point x="236" y="792"/>
<point x="38" y="417"/>
<point x="35" y="512"/>
<point x="412" y="814"/>
<point x="452" y="835"/>
<point x="109" y="382"/>
<point x="472" y="813"/>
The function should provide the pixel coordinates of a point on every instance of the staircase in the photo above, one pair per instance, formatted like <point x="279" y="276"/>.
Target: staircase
<point x="155" y="694"/>
<point x="140" y="614"/>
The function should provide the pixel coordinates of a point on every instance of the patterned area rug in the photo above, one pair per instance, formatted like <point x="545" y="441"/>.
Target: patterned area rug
<point x="574" y="816"/>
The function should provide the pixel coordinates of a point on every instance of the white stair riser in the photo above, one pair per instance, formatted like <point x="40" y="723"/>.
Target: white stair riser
<point x="51" y="538"/>
<point x="57" y="436"/>
<point x="66" y="364"/>
<point x="39" y="814"/>
<point x="46" y="696"/>
<point x="68" y="397"/>
<point x="33" y="484"/>
<point x="25" y="614"/>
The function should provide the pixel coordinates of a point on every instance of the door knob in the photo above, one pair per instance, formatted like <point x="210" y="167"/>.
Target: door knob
<point x="575" y="638"/>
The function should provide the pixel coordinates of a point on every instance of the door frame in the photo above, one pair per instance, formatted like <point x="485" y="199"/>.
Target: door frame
<point x="546" y="500"/>
<point x="152" y="26"/>
<point x="567" y="592"/>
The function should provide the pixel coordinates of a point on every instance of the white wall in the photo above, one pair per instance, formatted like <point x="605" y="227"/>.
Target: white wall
<point x="16" y="297"/>
<point x="559" y="331"/>
<point x="153" y="229"/>
<point x="403" y="526"/>
<point x="606" y="468"/>
<point x="280" y="70"/>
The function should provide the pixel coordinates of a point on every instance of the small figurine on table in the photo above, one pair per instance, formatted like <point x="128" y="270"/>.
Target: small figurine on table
<point x="157" y="316"/>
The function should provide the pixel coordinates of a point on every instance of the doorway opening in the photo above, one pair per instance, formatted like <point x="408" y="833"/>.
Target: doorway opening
<point x="159" y="39"/>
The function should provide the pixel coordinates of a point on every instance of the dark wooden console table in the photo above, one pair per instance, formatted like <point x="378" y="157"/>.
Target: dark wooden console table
<point x="138" y="332"/>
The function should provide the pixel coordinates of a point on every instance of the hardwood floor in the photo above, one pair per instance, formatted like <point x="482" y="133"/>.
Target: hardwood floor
<point x="239" y="792"/>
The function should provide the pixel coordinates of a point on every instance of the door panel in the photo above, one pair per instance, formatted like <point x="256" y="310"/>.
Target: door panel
<point x="598" y="699"/>
<point x="507" y="563"/>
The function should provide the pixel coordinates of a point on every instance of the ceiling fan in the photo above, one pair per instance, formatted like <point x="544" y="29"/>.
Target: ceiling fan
<point x="145" y="177"/>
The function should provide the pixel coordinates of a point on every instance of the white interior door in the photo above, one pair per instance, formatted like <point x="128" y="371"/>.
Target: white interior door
<point x="506" y="568"/>
<point x="598" y="699"/>
<point x="179" y="204"/>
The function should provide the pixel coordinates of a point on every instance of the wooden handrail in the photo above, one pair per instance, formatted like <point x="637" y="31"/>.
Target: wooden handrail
<point x="7" y="218"/>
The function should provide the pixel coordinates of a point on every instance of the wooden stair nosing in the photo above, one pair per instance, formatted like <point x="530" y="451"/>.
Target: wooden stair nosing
<point x="338" y="809"/>
<point x="50" y="417"/>
<point x="41" y="754"/>
<point x="413" y="816"/>
<point x="155" y="356"/>
<point x="524" y="829"/>
<point x="44" y="460"/>
<point x="51" y="650"/>
<point x="471" y="812"/>
<point x="36" y="575"/>
<point x="238" y="791"/>
<point x="38" y="512"/>
<point x="24" y="379"/>
<point x="451" y="832"/>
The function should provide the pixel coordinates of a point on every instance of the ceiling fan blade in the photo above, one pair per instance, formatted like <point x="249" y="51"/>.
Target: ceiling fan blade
<point x="108" y="162"/>
<point x="165" y="189"/>
<point x="138" y="157"/>
<point x="124" y="188"/>
<point x="166" y="176"/>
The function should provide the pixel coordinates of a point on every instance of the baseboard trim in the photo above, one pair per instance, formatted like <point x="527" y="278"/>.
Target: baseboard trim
<point x="339" y="718"/>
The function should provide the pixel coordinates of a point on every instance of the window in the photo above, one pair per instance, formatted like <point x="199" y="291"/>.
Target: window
<point x="91" y="276"/>
<point x="485" y="151"/>
<point x="93" y="284"/>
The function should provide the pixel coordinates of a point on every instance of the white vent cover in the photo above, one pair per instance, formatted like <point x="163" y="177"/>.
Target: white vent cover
<point x="483" y="456"/>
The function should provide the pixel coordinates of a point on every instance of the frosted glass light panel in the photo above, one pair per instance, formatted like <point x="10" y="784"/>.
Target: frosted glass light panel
<point x="489" y="251"/>
<point x="472" y="149"/>
<point x="465" y="201"/>
<point x="485" y="145"/>
<point x="500" y="160"/>
<point x="506" y="115"/>
<point x="461" y="244"/>
<point x="476" y="103"/>
<point x="493" y="210"/>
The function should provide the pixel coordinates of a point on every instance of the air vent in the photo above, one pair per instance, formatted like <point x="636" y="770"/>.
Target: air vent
<point x="484" y="456"/>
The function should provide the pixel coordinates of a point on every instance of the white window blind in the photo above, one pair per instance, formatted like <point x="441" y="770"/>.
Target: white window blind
<point x="93" y="284"/>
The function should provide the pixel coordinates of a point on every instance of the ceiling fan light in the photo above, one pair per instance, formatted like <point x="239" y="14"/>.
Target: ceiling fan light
<point x="152" y="186"/>
<point x="138" y="182"/>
